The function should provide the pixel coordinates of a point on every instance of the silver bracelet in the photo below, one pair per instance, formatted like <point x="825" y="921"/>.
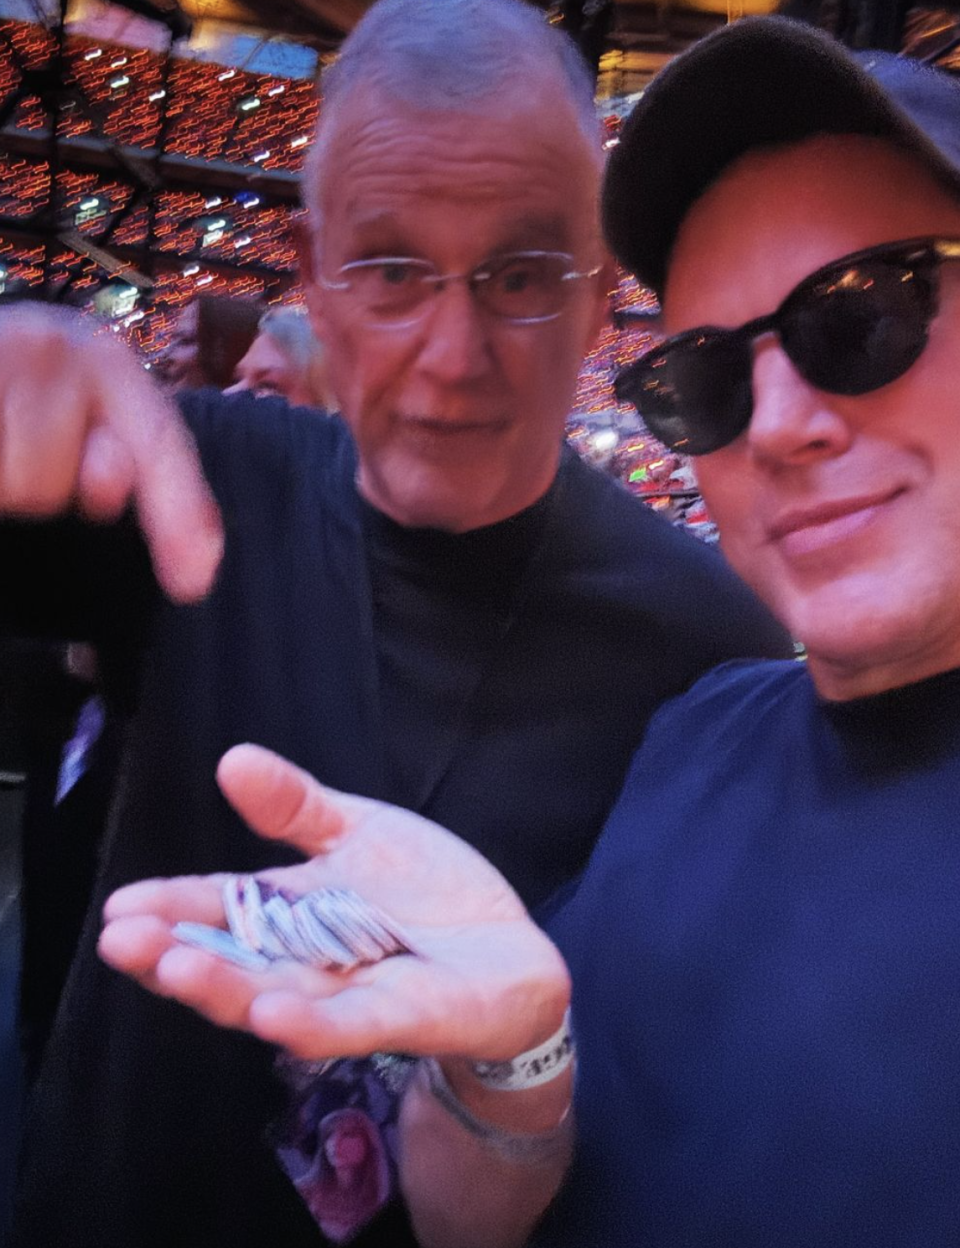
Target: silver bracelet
<point x="514" y="1146"/>
<point x="530" y="1069"/>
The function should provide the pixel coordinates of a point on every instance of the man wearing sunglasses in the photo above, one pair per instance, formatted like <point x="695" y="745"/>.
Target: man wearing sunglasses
<point x="437" y="606"/>
<point x="765" y="946"/>
<point x="789" y="1027"/>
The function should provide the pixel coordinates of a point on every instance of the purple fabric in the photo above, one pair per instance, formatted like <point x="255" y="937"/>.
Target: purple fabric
<point x="338" y="1145"/>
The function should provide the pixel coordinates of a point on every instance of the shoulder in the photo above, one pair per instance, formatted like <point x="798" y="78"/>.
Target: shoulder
<point x="739" y="709"/>
<point x="686" y="591"/>
<point x="741" y="687"/>
<point x="239" y="436"/>
<point x="723" y="730"/>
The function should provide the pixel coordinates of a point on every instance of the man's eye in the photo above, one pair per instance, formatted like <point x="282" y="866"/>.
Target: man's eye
<point x="519" y="276"/>
<point x="396" y="273"/>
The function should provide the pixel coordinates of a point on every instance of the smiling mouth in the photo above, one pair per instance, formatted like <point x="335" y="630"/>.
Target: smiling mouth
<point x="805" y="529"/>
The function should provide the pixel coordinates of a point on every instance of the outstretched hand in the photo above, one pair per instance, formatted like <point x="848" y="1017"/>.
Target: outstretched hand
<point x="83" y="426"/>
<point x="485" y="982"/>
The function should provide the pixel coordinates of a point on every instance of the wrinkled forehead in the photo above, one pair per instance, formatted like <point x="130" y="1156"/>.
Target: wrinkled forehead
<point x="498" y="146"/>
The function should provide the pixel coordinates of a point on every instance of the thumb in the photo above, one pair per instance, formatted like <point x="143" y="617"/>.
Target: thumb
<point x="284" y="802"/>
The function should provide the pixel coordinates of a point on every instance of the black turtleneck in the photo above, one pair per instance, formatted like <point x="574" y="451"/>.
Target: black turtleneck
<point x="442" y="605"/>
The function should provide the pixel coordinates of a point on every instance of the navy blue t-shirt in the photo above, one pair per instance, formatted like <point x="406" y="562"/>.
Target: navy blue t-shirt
<point x="766" y="959"/>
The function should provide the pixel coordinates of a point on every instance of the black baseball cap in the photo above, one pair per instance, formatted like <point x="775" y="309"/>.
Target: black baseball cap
<point x="760" y="81"/>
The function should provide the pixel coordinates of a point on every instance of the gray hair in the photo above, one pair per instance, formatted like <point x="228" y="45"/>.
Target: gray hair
<point x="447" y="55"/>
<point x="291" y="330"/>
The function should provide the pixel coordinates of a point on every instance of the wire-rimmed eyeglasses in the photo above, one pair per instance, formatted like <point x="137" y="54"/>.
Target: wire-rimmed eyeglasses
<point x="523" y="287"/>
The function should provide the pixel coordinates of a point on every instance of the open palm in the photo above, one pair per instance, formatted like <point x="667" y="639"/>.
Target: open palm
<point x="484" y="983"/>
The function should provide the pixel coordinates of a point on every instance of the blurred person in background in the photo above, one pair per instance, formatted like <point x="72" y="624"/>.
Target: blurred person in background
<point x="285" y="358"/>
<point x="211" y="335"/>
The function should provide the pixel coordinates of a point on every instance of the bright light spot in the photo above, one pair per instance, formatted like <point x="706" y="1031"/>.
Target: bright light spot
<point x="213" y="203"/>
<point x="247" y="106"/>
<point x="301" y="141"/>
<point x="230" y="73"/>
<point x="118" y="63"/>
<point x="157" y="95"/>
<point x="605" y="439"/>
<point x="191" y="269"/>
<point x="243" y="241"/>
<point x="92" y="56"/>
<point x="205" y="280"/>
<point x="117" y="83"/>
<point x="276" y="90"/>
<point x="260" y="157"/>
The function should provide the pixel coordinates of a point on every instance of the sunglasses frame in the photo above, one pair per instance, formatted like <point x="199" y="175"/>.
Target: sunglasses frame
<point x="632" y="380"/>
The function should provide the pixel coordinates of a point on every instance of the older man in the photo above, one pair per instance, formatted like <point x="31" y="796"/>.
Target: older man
<point x="439" y="609"/>
<point x="765" y="947"/>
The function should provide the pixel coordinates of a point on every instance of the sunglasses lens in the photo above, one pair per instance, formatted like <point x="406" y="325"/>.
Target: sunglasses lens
<point x="696" y="395"/>
<point x="862" y="326"/>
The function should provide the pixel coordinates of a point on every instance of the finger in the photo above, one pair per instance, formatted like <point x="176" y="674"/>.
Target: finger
<point x="177" y="511"/>
<point x="59" y="383"/>
<point x="196" y="899"/>
<point x="44" y="425"/>
<point x="222" y="992"/>
<point x="135" y="945"/>
<point x="284" y="802"/>
<point x="106" y="478"/>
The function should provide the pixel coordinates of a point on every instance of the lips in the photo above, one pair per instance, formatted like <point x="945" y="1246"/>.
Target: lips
<point x="803" y="529"/>
<point x="442" y="426"/>
<point x="823" y="513"/>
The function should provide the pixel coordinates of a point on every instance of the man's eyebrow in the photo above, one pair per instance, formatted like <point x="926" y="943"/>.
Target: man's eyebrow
<point x="373" y="228"/>
<point x="550" y="233"/>
<point x="384" y="228"/>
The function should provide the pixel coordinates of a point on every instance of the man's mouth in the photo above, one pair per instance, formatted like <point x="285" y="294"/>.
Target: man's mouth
<point x="803" y="530"/>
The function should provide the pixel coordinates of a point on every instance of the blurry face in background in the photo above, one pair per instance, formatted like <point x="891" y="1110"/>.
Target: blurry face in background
<point x="267" y="369"/>
<point x="458" y="416"/>
<point x="179" y="368"/>
<point x="842" y="511"/>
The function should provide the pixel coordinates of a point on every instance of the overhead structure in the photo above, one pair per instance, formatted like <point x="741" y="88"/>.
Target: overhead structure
<point x="151" y="148"/>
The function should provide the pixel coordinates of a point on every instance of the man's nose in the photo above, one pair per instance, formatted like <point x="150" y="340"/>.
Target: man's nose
<point x="792" y="421"/>
<point x="455" y="334"/>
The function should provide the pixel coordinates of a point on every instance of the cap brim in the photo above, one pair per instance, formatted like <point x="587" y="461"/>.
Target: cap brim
<point x="760" y="81"/>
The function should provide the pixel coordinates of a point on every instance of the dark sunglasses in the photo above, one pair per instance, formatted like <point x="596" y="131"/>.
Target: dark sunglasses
<point x="851" y="327"/>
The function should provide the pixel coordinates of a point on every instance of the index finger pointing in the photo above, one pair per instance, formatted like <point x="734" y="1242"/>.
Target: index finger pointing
<point x="176" y="509"/>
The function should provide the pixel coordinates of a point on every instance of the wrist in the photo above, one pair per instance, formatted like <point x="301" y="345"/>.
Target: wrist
<point x="532" y="1090"/>
<point x="532" y="1127"/>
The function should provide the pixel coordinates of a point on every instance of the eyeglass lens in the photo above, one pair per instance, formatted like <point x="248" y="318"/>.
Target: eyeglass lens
<point x="517" y="288"/>
<point x="848" y="330"/>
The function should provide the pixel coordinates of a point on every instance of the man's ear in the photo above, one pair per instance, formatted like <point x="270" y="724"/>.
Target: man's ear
<point x="304" y="240"/>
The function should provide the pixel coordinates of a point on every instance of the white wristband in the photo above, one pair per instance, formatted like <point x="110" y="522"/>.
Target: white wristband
<point x="515" y="1146"/>
<point x="530" y="1069"/>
